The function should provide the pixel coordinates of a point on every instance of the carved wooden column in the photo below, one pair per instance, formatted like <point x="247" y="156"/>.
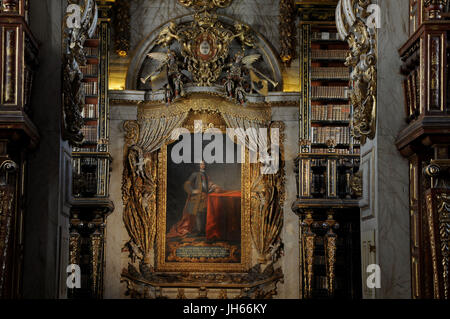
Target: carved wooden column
<point x="17" y="136"/>
<point x="330" y="250"/>
<point x="308" y="254"/>
<point x="425" y="142"/>
<point x="437" y="199"/>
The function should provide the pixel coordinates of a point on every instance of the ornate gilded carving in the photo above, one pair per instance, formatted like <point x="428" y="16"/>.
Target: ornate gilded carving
<point x="73" y="92"/>
<point x="267" y="199"/>
<point x="308" y="253"/>
<point x="443" y="210"/>
<point x="330" y="251"/>
<point x="356" y="184"/>
<point x="287" y="31"/>
<point x="6" y="211"/>
<point x="354" y="25"/>
<point x="122" y="33"/>
<point x="96" y="261"/>
<point x="198" y="103"/>
<point x="255" y="284"/>
<point x="204" y="55"/>
<point x="435" y="73"/>
<point x="434" y="257"/>
<point x="181" y="294"/>
<point x="205" y="45"/>
<point x="267" y="213"/>
<point x="144" y="177"/>
<point x="9" y="88"/>
<point x="139" y="197"/>
<point x="74" y="241"/>
<point x="435" y="8"/>
<point x="9" y="5"/>
<point x="205" y="4"/>
<point x="7" y="197"/>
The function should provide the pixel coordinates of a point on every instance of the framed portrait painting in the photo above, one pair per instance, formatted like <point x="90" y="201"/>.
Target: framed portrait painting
<point x="203" y="209"/>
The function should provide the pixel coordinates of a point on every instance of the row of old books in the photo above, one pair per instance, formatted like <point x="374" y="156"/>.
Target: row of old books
<point x="330" y="112"/>
<point x="330" y="73"/>
<point x="91" y="51"/>
<point x="90" y="88"/>
<point x="90" y="70"/>
<point x="90" y="133"/>
<point x="84" y="149"/>
<point x="329" y="54"/>
<point x="329" y="92"/>
<point x="320" y="135"/>
<point x="90" y="111"/>
<point x="89" y="161"/>
<point x="325" y="36"/>
<point x="338" y="151"/>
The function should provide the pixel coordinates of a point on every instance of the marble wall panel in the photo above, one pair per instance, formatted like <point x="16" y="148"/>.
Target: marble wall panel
<point x="390" y="217"/>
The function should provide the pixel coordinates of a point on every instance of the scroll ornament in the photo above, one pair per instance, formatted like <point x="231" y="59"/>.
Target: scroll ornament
<point x="355" y="24"/>
<point x="75" y="35"/>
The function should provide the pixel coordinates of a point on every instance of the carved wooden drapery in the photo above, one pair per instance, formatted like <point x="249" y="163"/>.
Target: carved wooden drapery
<point x="140" y="183"/>
<point x="144" y="138"/>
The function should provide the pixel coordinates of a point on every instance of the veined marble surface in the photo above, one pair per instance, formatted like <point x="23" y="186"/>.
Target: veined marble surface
<point x="391" y="180"/>
<point x="148" y="15"/>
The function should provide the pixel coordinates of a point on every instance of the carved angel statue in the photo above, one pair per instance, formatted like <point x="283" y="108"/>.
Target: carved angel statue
<point x="137" y="161"/>
<point x="243" y="34"/>
<point x="168" y="34"/>
<point x="241" y="67"/>
<point x="168" y="74"/>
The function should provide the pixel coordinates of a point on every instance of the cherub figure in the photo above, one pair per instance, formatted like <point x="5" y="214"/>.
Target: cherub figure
<point x="168" y="73"/>
<point x="167" y="35"/>
<point x="168" y="59"/>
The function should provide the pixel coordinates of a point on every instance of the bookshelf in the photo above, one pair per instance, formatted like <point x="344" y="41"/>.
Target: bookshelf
<point x="91" y="159"/>
<point x="91" y="165"/>
<point x="327" y="161"/>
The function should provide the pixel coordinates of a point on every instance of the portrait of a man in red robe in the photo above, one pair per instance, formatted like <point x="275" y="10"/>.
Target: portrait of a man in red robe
<point x="193" y="220"/>
<point x="209" y="211"/>
<point x="203" y="216"/>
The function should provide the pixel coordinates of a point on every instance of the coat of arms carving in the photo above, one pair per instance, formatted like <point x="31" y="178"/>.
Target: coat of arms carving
<point x="200" y="51"/>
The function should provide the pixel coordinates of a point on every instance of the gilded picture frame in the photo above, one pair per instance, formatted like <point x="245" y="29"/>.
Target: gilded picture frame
<point x="161" y="263"/>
